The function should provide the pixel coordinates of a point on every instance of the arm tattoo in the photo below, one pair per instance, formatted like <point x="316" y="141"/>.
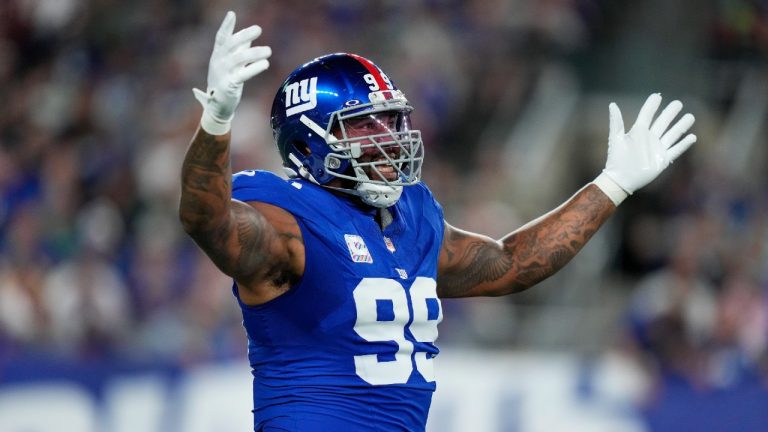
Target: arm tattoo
<point x="479" y="266"/>
<point x="238" y="238"/>
<point x="232" y="235"/>
<point x="250" y="242"/>
<point x="205" y="182"/>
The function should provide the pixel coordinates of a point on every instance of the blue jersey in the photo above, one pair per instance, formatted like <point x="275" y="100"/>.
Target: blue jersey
<point x="350" y="346"/>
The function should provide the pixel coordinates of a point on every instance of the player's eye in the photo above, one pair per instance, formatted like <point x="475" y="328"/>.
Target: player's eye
<point x="367" y="124"/>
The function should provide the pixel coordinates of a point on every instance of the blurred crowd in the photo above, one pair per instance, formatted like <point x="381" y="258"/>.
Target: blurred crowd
<point x="98" y="112"/>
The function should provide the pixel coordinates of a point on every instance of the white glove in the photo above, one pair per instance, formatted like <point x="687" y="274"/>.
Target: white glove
<point x="232" y="63"/>
<point x="639" y="156"/>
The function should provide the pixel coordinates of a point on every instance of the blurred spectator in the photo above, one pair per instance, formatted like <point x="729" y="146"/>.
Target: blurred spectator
<point x="673" y="309"/>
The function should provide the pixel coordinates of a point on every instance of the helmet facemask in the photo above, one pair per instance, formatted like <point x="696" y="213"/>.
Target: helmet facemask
<point x="381" y="152"/>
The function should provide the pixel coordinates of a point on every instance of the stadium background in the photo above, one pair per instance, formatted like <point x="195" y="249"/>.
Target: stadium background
<point x="112" y="320"/>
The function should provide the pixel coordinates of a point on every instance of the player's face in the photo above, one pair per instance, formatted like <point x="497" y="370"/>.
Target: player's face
<point x="378" y="132"/>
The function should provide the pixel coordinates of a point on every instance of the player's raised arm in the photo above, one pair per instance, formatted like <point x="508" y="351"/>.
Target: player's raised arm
<point x="236" y="236"/>
<point x="475" y="265"/>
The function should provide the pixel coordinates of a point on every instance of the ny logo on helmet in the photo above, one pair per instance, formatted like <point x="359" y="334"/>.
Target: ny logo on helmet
<point x="300" y="96"/>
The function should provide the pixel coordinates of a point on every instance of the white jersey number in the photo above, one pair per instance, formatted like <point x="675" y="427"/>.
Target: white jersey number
<point x="374" y="296"/>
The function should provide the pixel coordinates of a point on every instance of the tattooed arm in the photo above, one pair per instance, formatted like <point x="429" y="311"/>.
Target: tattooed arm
<point x="257" y="244"/>
<point x="474" y="265"/>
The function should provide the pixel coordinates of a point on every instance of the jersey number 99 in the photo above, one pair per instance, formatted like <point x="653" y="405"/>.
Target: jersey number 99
<point x="373" y="293"/>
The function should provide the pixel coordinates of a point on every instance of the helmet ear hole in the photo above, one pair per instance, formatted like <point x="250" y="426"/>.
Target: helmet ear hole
<point x="302" y="148"/>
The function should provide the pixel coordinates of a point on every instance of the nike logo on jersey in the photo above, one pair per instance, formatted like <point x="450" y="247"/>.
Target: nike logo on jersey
<point x="358" y="251"/>
<point x="402" y="273"/>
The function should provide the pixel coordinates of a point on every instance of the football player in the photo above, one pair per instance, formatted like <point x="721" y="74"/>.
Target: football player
<point x="339" y="269"/>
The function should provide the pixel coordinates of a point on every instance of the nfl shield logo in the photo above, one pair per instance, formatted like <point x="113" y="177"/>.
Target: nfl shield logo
<point x="357" y="249"/>
<point x="389" y="244"/>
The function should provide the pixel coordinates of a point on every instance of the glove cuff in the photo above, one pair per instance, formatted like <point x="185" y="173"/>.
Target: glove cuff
<point x="214" y="126"/>
<point x="610" y="188"/>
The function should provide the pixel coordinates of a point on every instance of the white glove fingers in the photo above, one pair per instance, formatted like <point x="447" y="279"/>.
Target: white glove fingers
<point x="244" y="37"/>
<point x="615" y="122"/>
<point x="665" y="118"/>
<point x="245" y="73"/>
<point x="226" y="28"/>
<point x="252" y="54"/>
<point x="201" y="96"/>
<point x="232" y="62"/>
<point x="649" y="108"/>
<point x="679" y="128"/>
<point x="675" y="151"/>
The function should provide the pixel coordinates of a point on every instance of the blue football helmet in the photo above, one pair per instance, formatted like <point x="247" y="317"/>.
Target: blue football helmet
<point x="340" y="117"/>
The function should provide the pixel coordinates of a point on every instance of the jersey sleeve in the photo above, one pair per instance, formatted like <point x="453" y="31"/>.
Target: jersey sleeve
<point x="433" y="211"/>
<point x="258" y="185"/>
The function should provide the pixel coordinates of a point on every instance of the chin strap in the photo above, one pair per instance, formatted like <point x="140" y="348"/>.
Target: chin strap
<point x="379" y="196"/>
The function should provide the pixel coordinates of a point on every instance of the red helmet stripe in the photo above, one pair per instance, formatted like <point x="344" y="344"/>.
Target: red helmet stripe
<point x="373" y="70"/>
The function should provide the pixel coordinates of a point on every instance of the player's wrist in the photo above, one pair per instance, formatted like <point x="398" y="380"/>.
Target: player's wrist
<point x="213" y="125"/>
<point x="610" y="188"/>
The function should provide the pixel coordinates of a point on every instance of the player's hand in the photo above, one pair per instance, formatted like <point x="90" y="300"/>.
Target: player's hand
<point x="637" y="157"/>
<point x="233" y="62"/>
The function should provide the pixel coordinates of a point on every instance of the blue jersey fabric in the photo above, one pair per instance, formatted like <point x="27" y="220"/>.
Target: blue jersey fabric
<point x="350" y="346"/>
